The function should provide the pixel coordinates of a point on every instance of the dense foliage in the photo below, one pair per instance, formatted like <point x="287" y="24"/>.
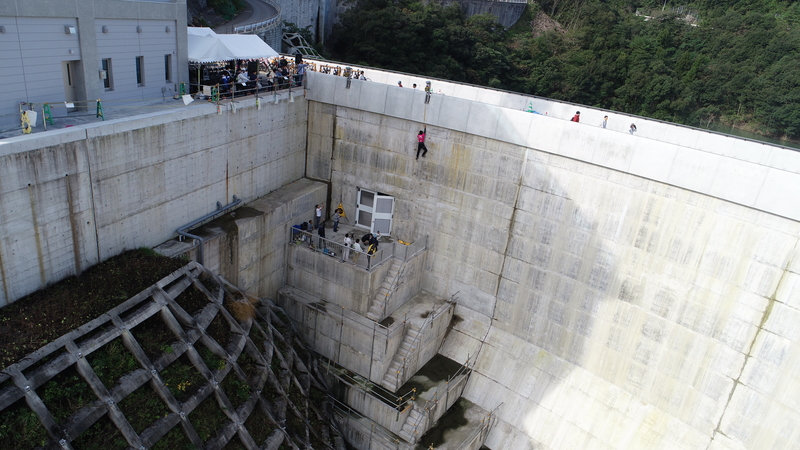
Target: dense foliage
<point x="734" y="61"/>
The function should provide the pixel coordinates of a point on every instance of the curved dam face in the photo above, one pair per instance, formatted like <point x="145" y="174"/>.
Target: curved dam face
<point x="615" y="290"/>
<point x="620" y="291"/>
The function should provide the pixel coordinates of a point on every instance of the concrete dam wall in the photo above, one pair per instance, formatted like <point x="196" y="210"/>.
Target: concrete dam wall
<point x="621" y="291"/>
<point x="74" y="197"/>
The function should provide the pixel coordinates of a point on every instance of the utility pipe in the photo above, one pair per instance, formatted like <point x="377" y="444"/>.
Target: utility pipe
<point x="220" y="210"/>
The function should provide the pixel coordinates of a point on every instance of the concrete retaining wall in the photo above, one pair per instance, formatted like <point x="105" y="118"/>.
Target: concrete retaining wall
<point x="249" y="244"/>
<point x="388" y="416"/>
<point x="621" y="291"/>
<point x="355" y="342"/>
<point x="362" y="433"/>
<point x="74" y="197"/>
<point x="346" y="285"/>
<point x="326" y="278"/>
<point x="369" y="405"/>
<point x="350" y="340"/>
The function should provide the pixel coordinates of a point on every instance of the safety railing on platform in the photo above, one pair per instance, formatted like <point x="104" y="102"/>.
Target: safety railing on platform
<point x="262" y="86"/>
<point x="339" y="251"/>
<point x="30" y="113"/>
<point x="361" y="259"/>
<point x="408" y="251"/>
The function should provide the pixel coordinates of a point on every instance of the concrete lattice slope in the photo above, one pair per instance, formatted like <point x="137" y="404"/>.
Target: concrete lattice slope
<point x="169" y="366"/>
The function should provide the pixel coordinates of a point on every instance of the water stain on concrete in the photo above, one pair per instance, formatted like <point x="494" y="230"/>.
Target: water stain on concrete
<point x="438" y="369"/>
<point x="454" y="418"/>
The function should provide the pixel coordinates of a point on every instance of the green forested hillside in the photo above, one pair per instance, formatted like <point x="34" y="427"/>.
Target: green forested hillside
<point x="734" y="62"/>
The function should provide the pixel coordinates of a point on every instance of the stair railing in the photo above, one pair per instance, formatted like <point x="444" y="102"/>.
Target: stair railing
<point x="414" y="350"/>
<point x="430" y="404"/>
<point x="482" y="432"/>
<point x="376" y="430"/>
<point x="392" y="288"/>
<point x="399" y="403"/>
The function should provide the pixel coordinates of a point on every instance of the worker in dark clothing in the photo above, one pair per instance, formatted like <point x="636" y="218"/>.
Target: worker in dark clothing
<point x="321" y="232"/>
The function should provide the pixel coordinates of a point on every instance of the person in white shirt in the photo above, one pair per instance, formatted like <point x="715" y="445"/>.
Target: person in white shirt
<point x="317" y="216"/>
<point x="242" y="79"/>
<point x="358" y="251"/>
<point x="348" y="243"/>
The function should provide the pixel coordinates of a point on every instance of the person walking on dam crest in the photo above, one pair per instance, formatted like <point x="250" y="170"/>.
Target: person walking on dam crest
<point x="421" y="142"/>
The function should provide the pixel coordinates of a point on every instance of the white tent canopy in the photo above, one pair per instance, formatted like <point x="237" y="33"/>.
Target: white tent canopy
<point x="207" y="46"/>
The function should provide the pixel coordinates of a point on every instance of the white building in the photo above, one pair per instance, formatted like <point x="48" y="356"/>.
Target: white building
<point x="73" y="53"/>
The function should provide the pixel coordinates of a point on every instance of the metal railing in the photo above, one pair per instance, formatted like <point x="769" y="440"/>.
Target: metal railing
<point x="399" y="403"/>
<point x="338" y="250"/>
<point x="414" y="352"/>
<point x="217" y="92"/>
<point x="406" y="252"/>
<point x="361" y="259"/>
<point x="392" y="289"/>
<point x="453" y="383"/>
<point x="482" y="431"/>
<point x="376" y="431"/>
<point x="255" y="28"/>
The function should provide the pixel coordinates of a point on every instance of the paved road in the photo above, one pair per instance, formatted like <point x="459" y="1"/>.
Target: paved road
<point x="255" y="11"/>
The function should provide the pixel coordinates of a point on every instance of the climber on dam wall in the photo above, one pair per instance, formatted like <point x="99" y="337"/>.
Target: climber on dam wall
<point x="421" y="142"/>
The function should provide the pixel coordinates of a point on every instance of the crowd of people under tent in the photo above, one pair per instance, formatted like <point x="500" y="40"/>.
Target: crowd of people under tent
<point x="245" y="77"/>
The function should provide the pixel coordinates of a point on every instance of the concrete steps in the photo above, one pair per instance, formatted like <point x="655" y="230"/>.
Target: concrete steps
<point x="392" y="378"/>
<point x="414" y="426"/>
<point x="376" y="308"/>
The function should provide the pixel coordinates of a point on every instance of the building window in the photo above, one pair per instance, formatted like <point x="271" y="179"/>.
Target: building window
<point x="108" y="80"/>
<point x="168" y="68"/>
<point x="140" y="70"/>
